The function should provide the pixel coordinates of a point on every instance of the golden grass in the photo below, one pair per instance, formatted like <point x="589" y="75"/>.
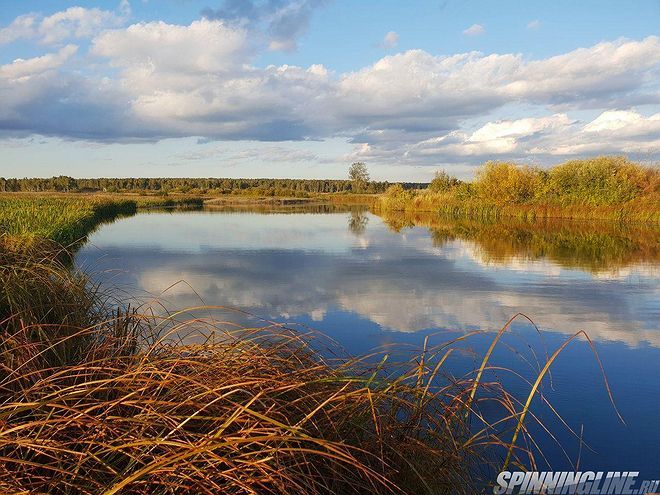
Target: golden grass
<point x="607" y="188"/>
<point x="94" y="401"/>
<point x="254" y="411"/>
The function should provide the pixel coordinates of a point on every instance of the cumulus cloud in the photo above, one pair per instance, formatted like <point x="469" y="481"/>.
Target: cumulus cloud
<point x="474" y="30"/>
<point x="74" y="22"/>
<point x="155" y="80"/>
<point x="195" y="80"/>
<point x="204" y="47"/>
<point x="552" y="136"/>
<point x="27" y="68"/>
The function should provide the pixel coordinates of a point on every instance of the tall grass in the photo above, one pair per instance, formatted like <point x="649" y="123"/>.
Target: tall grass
<point x="92" y="402"/>
<point x="598" y="188"/>
<point x="66" y="219"/>
<point x="61" y="220"/>
<point x="100" y="401"/>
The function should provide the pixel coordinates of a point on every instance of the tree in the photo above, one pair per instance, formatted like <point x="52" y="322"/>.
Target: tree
<point x="443" y="182"/>
<point x="359" y="175"/>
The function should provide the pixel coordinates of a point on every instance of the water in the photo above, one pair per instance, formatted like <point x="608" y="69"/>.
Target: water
<point x="368" y="282"/>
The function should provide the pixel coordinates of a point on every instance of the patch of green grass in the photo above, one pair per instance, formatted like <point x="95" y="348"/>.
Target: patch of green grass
<point x="62" y="220"/>
<point x="67" y="219"/>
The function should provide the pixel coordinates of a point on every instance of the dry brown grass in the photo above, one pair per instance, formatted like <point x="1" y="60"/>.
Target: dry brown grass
<point x="96" y="402"/>
<point x="258" y="411"/>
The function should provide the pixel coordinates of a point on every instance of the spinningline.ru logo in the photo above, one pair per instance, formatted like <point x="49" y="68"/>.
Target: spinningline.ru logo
<point x="574" y="482"/>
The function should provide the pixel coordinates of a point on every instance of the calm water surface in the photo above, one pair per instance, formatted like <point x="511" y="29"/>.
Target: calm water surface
<point x="367" y="282"/>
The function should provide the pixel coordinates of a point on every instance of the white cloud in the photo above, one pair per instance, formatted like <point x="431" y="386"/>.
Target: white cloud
<point x="474" y="30"/>
<point x="535" y="24"/>
<point x="415" y="90"/>
<point x="74" y="22"/>
<point x="26" y="68"/>
<point x="21" y="27"/>
<point x="555" y="135"/>
<point x="155" y="80"/>
<point x="623" y="121"/>
<point x="613" y="131"/>
<point x="391" y="40"/>
<point x="204" y="46"/>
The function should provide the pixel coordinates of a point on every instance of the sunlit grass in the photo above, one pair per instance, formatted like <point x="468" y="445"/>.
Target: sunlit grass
<point x="95" y="399"/>
<point x="67" y="219"/>
<point x="598" y="188"/>
<point x="100" y="401"/>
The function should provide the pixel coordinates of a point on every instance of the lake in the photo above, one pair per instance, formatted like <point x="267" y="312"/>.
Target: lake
<point x="369" y="282"/>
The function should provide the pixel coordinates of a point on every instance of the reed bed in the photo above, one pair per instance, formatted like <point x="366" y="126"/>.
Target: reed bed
<point x="259" y="413"/>
<point x="62" y="220"/>
<point x="606" y="187"/>
<point x="99" y="398"/>
<point x="66" y="219"/>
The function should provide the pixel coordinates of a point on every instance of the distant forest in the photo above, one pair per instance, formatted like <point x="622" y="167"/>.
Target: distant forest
<point x="267" y="187"/>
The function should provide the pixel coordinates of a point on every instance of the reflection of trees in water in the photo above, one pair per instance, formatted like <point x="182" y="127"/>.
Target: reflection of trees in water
<point x="595" y="247"/>
<point x="357" y="222"/>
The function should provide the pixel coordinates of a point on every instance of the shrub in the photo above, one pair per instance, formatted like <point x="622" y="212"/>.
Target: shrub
<point x="600" y="181"/>
<point x="443" y="182"/>
<point x="396" y="198"/>
<point x="505" y="183"/>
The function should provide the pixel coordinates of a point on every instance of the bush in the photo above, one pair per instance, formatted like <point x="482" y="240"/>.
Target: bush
<point x="396" y="198"/>
<point x="506" y="183"/>
<point x="443" y="182"/>
<point x="601" y="181"/>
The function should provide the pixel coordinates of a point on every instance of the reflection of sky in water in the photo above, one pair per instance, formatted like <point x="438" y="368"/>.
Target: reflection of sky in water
<point x="291" y="265"/>
<point x="377" y="286"/>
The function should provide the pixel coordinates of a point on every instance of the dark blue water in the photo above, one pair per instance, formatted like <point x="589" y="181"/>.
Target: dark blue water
<point x="367" y="286"/>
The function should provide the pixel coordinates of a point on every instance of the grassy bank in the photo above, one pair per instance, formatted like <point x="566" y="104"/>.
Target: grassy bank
<point x="92" y="400"/>
<point x="611" y="188"/>
<point x="66" y="218"/>
<point x="98" y="401"/>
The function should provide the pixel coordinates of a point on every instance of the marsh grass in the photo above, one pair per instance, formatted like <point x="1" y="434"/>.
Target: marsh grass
<point x="606" y="187"/>
<point x="67" y="219"/>
<point x="62" y="220"/>
<point x="100" y="401"/>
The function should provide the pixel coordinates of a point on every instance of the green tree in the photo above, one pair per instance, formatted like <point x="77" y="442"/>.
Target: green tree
<point x="359" y="176"/>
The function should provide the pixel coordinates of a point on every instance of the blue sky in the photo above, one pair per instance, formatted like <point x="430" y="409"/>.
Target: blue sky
<point x="301" y="88"/>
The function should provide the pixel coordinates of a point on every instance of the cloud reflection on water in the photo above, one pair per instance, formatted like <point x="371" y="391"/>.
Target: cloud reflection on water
<point x="281" y="266"/>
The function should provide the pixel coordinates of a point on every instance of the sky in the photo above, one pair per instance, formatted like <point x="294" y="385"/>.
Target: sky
<point x="303" y="88"/>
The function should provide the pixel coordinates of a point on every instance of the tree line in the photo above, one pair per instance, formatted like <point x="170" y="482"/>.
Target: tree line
<point x="274" y="187"/>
